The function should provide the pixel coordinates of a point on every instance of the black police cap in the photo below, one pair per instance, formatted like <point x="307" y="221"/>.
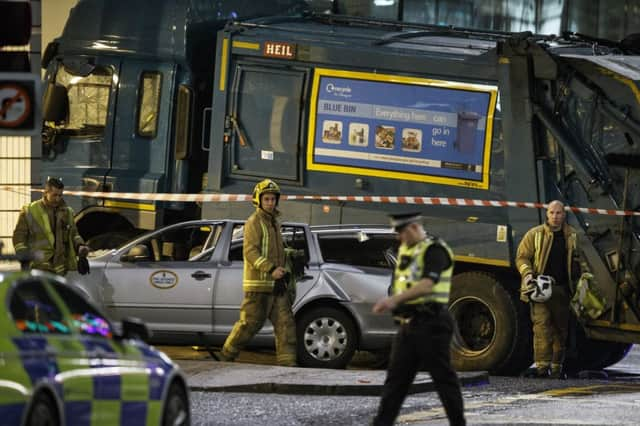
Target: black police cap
<point x="400" y="220"/>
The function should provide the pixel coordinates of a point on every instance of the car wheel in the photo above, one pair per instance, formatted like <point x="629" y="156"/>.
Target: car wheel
<point x="176" y="407"/>
<point x="326" y="338"/>
<point x="43" y="412"/>
<point x="491" y="332"/>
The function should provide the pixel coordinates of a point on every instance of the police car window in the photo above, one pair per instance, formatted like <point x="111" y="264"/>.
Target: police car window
<point x="33" y="310"/>
<point x="351" y="250"/>
<point x="86" y="319"/>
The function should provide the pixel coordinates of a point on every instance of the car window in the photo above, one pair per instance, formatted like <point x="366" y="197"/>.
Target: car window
<point x="85" y="317"/>
<point x="34" y="311"/>
<point x="188" y="243"/>
<point x="235" y="251"/>
<point x="293" y="237"/>
<point x="352" y="250"/>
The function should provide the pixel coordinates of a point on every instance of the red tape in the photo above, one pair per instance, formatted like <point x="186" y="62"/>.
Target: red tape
<point x="438" y="201"/>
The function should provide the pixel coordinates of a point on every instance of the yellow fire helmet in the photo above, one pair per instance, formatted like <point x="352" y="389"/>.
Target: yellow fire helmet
<point x="264" y="187"/>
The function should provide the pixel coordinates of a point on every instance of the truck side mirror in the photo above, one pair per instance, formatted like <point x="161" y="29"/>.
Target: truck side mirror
<point x="55" y="105"/>
<point x="49" y="53"/>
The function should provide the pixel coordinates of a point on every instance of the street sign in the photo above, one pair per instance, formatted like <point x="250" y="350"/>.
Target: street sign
<point x="19" y="101"/>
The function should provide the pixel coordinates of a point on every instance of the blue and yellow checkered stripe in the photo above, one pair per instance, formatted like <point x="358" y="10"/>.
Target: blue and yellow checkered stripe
<point x="124" y="386"/>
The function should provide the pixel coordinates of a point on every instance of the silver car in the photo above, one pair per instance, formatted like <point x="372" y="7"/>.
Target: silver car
<point x="185" y="282"/>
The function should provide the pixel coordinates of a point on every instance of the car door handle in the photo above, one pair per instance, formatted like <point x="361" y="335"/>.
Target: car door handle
<point x="200" y="275"/>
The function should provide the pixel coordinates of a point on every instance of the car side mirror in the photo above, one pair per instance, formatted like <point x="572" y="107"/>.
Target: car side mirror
<point x="55" y="105"/>
<point x="134" y="328"/>
<point x="137" y="253"/>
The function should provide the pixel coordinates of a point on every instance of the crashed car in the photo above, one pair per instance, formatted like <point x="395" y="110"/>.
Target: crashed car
<point x="185" y="282"/>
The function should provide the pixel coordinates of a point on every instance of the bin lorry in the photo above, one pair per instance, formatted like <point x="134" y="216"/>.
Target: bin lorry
<point x="343" y="105"/>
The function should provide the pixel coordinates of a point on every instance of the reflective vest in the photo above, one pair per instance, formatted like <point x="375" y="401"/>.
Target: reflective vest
<point x="404" y="278"/>
<point x="42" y="239"/>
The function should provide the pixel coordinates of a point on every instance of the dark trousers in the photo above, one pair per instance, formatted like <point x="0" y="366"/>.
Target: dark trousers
<point x="424" y="342"/>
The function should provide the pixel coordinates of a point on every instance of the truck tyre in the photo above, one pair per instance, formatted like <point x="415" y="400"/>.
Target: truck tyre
<point x="326" y="338"/>
<point x="592" y="354"/>
<point x="617" y="353"/>
<point x="176" y="407"/>
<point x="492" y="329"/>
<point x="43" y="411"/>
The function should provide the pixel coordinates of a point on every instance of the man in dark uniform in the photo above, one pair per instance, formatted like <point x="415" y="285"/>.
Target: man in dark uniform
<point x="418" y="301"/>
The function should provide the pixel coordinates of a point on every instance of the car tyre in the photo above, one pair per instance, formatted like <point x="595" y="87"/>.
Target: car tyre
<point x="327" y="338"/>
<point x="176" y="407"/>
<point x="43" y="412"/>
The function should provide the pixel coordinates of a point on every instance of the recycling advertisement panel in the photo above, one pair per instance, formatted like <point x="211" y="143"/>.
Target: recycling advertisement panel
<point x="401" y="127"/>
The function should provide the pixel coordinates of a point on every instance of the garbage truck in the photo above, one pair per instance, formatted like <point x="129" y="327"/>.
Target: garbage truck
<point x="488" y="125"/>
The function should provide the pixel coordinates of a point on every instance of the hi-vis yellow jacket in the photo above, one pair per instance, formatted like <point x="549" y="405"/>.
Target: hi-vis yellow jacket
<point x="263" y="251"/>
<point x="407" y="274"/>
<point x="533" y="251"/>
<point x="57" y="242"/>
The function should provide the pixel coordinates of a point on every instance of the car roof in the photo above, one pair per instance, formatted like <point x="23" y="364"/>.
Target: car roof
<point x="348" y="228"/>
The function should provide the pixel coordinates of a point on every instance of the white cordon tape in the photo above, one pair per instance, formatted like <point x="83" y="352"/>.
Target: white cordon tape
<point x="436" y="201"/>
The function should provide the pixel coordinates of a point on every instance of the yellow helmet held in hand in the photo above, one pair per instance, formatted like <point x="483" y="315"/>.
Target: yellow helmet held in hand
<point x="264" y="187"/>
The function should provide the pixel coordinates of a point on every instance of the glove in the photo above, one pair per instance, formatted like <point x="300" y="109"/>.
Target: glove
<point x="83" y="251"/>
<point x="280" y="285"/>
<point x="526" y="287"/>
<point x="83" y="266"/>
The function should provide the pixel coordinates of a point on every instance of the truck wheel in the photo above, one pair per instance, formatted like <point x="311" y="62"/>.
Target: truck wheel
<point x="617" y="353"/>
<point x="43" y="411"/>
<point x="592" y="354"/>
<point x="326" y="338"/>
<point x="492" y="333"/>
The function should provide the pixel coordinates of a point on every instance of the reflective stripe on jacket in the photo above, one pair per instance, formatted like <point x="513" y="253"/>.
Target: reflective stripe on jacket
<point x="263" y="251"/>
<point x="533" y="251"/>
<point x="404" y="278"/>
<point x="34" y="232"/>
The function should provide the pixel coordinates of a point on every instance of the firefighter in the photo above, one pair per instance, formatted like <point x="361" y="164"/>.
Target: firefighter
<point x="418" y="301"/>
<point x="46" y="230"/>
<point x="264" y="280"/>
<point x="549" y="249"/>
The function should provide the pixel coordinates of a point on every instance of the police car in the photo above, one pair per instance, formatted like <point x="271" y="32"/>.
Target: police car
<point x="63" y="363"/>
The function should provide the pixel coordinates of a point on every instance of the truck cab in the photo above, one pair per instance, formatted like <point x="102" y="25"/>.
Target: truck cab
<point x="128" y="86"/>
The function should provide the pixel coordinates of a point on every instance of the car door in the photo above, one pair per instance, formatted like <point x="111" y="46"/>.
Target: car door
<point x="359" y="262"/>
<point x="228" y="292"/>
<point x="171" y="287"/>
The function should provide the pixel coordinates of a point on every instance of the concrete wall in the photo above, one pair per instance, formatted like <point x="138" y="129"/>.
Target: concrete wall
<point x="54" y="15"/>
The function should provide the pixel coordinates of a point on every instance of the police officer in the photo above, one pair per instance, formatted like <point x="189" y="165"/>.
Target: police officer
<point x="264" y="287"/>
<point x="549" y="249"/>
<point x="47" y="226"/>
<point x="418" y="301"/>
